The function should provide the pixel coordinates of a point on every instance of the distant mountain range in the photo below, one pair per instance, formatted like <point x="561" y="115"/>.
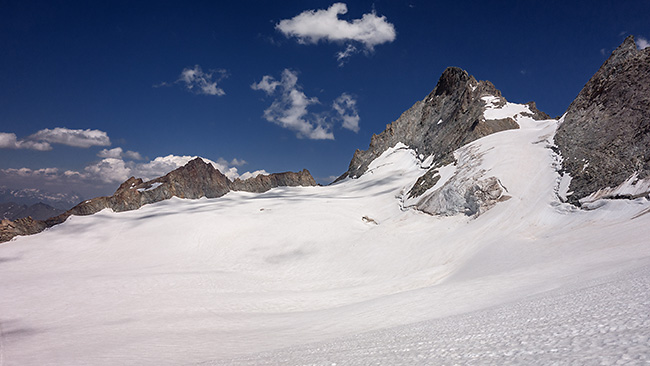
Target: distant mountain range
<point x="37" y="211"/>
<point x="32" y="196"/>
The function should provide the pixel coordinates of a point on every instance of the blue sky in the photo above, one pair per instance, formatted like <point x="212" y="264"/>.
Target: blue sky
<point x="92" y="92"/>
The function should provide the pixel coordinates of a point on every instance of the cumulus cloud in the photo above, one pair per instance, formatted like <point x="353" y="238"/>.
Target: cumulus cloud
<point x="346" y="108"/>
<point x="77" y="138"/>
<point x="289" y="109"/>
<point x="109" y="170"/>
<point x="254" y="174"/>
<point x="313" y="26"/>
<point x="200" y="82"/>
<point x="10" y="141"/>
<point x="119" y="153"/>
<point x="642" y="43"/>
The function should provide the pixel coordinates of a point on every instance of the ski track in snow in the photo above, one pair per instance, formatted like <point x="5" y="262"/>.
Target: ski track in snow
<point x="296" y="276"/>
<point x="606" y="322"/>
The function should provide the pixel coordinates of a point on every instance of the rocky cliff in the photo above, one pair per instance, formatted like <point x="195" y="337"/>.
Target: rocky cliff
<point x="263" y="183"/>
<point x="194" y="180"/>
<point x="448" y="118"/>
<point x="604" y="136"/>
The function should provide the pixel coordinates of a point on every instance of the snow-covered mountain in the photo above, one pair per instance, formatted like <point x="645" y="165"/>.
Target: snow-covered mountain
<point x="468" y="253"/>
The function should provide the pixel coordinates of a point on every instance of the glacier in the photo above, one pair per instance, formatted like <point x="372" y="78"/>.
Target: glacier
<point x="342" y="274"/>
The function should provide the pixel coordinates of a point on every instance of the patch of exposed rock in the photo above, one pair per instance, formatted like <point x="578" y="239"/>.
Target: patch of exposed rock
<point x="448" y="118"/>
<point x="468" y="190"/>
<point x="194" y="180"/>
<point x="24" y="226"/>
<point x="263" y="183"/>
<point x="604" y="138"/>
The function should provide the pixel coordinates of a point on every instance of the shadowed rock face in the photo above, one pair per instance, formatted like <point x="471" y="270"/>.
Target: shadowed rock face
<point x="605" y="136"/>
<point x="263" y="183"/>
<point x="448" y="118"/>
<point x="194" y="180"/>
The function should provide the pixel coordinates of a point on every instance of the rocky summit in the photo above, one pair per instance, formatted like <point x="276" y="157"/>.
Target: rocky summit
<point x="604" y="136"/>
<point x="194" y="180"/>
<point x="448" y="118"/>
<point x="459" y="110"/>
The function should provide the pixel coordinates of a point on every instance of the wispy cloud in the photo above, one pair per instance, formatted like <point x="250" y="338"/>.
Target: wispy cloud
<point x="346" y="108"/>
<point x="642" y="43"/>
<point x="43" y="139"/>
<point x="289" y="109"/>
<point x="198" y="81"/>
<point x="343" y="56"/>
<point x="313" y="26"/>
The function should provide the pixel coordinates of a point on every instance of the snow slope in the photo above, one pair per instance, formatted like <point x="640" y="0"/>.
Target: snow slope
<point x="214" y="281"/>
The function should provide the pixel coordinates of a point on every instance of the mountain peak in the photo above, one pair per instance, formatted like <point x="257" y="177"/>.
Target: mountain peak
<point x="451" y="80"/>
<point x="449" y="117"/>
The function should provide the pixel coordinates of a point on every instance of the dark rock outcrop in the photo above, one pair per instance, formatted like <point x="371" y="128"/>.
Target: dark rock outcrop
<point x="194" y="180"/>
<point x="24" y="226"/>
<point x="448" y="118"/>
<point x="605" y="136"/>
<point x="263" y="183"/>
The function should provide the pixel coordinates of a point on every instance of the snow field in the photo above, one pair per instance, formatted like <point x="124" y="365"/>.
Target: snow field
<point x="199" y="281"/>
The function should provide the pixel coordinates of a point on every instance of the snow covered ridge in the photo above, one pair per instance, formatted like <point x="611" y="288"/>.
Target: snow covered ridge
<point x="198" y="178"/>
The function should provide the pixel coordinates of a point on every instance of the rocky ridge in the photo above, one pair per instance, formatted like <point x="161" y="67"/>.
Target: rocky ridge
<point x="38" y="211"/>
<point x="194" y="180"/>
<point x="448" y="118"/>
<point x="604" y="136"/>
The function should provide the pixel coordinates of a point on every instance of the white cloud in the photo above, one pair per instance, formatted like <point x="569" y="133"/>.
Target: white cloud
<point x="109" y="170"/>
<point x="346" y="108"/>
<point x="45" y="173"/>
<point x="238" y="162"/>
<point x="119" y="153"/>
<point x="69" y="137"/>
<point x="343" y="56"/>
<point x="10" y="141"/>
<point x="133" y="155"/>
<point x="313" y="26"/>
<point x="112" y="153"/>
<point x="254" y="174"/>
<point x="642" y="43"/>
<point x="200" y="82"/>
<point x="268" y="84"/>
<point x="289" y="109"/>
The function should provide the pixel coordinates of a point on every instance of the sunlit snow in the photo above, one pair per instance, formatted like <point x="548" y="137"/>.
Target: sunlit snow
<point x="340" y="275"/>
